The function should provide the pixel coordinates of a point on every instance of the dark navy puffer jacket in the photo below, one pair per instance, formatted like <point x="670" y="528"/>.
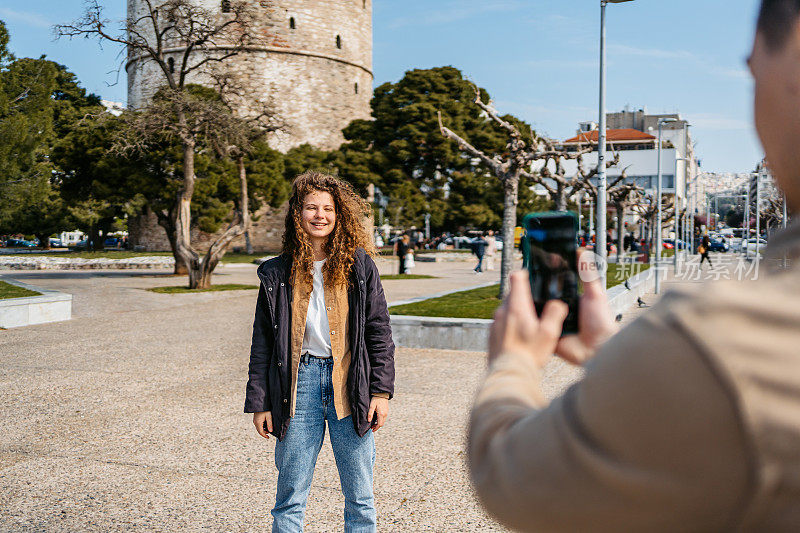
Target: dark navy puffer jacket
<point x="371" y="346"/>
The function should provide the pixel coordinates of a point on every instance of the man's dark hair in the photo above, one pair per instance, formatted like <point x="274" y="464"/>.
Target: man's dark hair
<point x="776" y="21"/>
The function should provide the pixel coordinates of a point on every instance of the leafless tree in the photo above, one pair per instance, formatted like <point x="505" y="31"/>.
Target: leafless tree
<point x="623" y="197"/>
<point x="647" y="209"/>
<point x="184" y="40"/>
<point x="515" y="163"/>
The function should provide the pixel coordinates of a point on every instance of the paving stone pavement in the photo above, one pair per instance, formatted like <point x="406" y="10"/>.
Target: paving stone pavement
<point x="129" y="416"/>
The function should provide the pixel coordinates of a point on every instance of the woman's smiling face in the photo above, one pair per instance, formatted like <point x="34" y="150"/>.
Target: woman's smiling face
<point x="318" y="215"/>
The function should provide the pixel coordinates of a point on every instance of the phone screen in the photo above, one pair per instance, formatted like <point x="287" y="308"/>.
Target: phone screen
<point x="553" y="262"/>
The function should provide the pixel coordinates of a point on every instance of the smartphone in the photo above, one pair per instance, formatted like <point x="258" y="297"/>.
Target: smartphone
<point x="553" y="261"/>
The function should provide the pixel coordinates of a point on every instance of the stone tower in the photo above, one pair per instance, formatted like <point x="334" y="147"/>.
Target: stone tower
<point x="315" y="71"/>
<point x="315" y="68"/>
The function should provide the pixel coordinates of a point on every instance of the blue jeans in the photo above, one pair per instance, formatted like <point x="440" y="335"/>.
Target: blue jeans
<point x="296" y="455"/>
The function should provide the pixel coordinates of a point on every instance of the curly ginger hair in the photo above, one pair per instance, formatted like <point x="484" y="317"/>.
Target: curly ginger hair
<point x="348" y="232"/>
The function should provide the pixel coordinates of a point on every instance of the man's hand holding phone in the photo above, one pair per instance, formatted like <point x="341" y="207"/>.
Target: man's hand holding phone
<point x="595" y="321"/>
<point x="517" y="329"/>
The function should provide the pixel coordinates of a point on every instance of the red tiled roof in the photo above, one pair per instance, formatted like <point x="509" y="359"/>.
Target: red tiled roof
<point x="627" y="134"/>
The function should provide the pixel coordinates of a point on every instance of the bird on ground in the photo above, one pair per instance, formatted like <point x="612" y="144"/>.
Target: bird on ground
<point x="641" y="302"/>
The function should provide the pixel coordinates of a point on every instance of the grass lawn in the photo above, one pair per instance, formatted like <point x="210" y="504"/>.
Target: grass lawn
<point x="8" y="290"/>
<point x="482" y="302"/>
<point x="222" y="287"/>
<point x="619" y="273"/>
<point x="474" y="303"/>
<point x="125" y="254"/>
<point x="406" y="276"/>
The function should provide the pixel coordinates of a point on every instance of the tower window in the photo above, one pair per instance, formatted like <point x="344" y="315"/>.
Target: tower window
<point x="338" y="41"/>
<point x="356" y="86"/>
<point x="226" y="6"/>
<point x="291" y="23"/>
<point x="171" y="65"/>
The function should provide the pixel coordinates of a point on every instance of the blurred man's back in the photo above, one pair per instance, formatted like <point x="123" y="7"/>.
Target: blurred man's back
<point x="688" y="419"/>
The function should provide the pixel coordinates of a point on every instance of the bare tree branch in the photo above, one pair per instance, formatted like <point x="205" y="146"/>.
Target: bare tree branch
<point x="495" y="163"/>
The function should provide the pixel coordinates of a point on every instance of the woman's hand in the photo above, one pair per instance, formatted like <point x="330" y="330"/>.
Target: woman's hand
<point x="263" y="423"/>
<point x="379" y="407"/>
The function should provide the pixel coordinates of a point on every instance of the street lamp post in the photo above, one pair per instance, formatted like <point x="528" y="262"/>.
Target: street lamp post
<point x="680" y="221"/>
<point x="659" y="243"/>
<point x="600" y="247"/>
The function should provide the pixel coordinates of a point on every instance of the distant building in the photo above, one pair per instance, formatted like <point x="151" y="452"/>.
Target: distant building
<point x="634" y="136"/>
<point x="115" y="108"/>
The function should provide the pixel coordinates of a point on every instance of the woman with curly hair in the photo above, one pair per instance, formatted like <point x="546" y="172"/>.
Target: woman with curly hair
<point x="322" y="350"/>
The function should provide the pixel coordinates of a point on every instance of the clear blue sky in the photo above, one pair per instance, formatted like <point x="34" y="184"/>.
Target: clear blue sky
<point x="537" y="58"/>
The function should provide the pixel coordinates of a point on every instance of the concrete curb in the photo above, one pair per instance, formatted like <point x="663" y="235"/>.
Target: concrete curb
<point x="64" y="263"/>
<point x="472" y="334"/>
<point x="49" y="306"/>
<point x="622" y="298"/>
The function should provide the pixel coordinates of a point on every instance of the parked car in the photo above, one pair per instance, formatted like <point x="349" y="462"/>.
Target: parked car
<point x="751" y="246"/>
<point x="498" y="242"/>
<point x="462" y="242"/>
<point x="19" y="243"/>
<point x="55" y="243"/>
<point x="718" y="245"/>
<point x="112" y="242"/>
<point x="682" y="245"/>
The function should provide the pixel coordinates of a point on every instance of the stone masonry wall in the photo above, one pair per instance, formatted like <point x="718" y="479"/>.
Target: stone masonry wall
<point x="314" y="87"/>
<point x="266" y="233"/>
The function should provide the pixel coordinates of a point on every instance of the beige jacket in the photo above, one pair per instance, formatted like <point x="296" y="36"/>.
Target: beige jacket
<point x="686" y="420"/>
<point x="338" y="309"/>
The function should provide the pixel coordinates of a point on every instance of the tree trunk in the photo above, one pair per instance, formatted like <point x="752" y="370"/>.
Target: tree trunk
<point x="166" y="222"/>
<point x="560" y="199"/>
<point x="240" y="224"/>
<point x="510" y="198"/>
<point x="620" y="232"/>
<point x="94" y="239"/>
<point x="44" y="241"/>
<point x="248" y="246"/>
<point x="183" y="217"/>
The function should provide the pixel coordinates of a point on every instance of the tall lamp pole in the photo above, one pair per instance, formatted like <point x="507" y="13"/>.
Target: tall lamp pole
<point x="659" y="244"/>
<point x="600" y="247"/>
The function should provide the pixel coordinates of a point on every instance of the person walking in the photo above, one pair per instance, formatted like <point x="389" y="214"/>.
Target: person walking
<point x="322" y="351"/>
<point x="491" y="248"/>
<point x="479" y="249"/>
<point x="403" y="248"/>
<point x="703" y="250"/>
<point x="524" y="248"/>
<point x="686" y="419"/>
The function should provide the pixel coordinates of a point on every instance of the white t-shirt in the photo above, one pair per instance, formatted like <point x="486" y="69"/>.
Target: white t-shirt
<point x="317" y="338"/>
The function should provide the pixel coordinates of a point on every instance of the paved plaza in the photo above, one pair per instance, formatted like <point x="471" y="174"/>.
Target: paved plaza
<point x="129" y="416"/>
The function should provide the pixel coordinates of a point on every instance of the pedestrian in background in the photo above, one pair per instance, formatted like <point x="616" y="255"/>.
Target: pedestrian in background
<point x="687" y="419"/>
<point x="403" y="248"/>
<point x="479" y="249"/>
<point x="322" y="351"/>
<point x="524" y="248"/>
<point x="703" y="250"/>
<point x="491" y="248"/>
